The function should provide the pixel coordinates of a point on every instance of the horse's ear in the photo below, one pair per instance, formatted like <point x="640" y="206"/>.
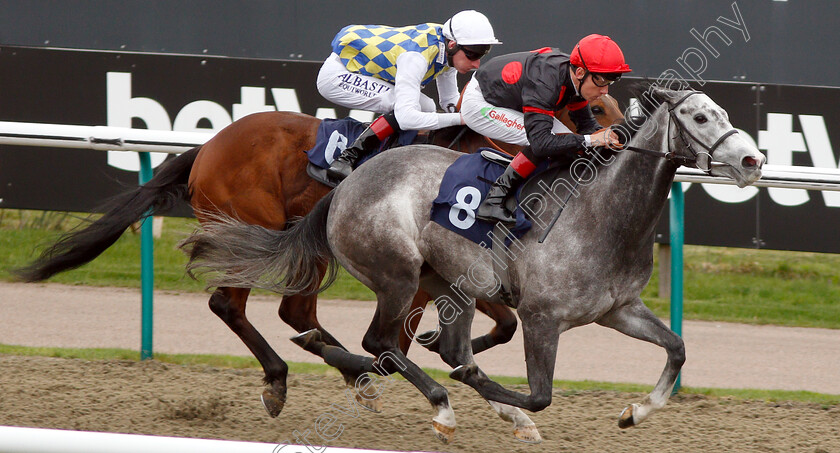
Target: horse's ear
<point x="650" y="96"/>
<point x="664" y="94"/>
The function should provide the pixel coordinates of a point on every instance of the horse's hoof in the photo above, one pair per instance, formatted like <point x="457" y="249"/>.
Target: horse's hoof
<point x="625" y="420"/>
<point x="372" y="402"/>
<point x="374" y="405"/>
<point x="462" y="372"/>
<point x="305" y="339"/>
<point x="443" y="432"/>
<point x="527" y="434"/>
<point x="273" y="402"/>
<point x="310" y="341"/>
<point x="429" y="340"/>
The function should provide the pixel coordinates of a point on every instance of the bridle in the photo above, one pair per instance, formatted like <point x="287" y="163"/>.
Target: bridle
<point x="671" y="156"/>
<point x="702" y="159"/>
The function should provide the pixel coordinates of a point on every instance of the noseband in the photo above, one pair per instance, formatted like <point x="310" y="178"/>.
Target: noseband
<point x="701" y="160"/>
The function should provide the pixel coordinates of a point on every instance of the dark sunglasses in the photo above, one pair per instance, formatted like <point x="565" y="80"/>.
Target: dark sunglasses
<point x="604" y="80"/>
<point x="474" y="53"/>
<point x="600" y="80"/>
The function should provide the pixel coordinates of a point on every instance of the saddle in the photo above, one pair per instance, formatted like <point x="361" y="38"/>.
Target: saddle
<point x="335" y="135"/>
<point x="463" y="186"/>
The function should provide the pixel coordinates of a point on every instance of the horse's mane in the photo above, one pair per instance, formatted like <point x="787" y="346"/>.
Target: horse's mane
<point x="649" y="97"/>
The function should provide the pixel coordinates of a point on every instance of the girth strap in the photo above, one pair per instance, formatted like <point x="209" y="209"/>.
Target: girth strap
<point x="501" y="272"/>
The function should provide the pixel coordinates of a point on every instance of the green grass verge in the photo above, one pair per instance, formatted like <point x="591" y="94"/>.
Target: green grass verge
<point x="721" y="284"/>
<point x="22" y="240"/>
<point x="570" y="387"/>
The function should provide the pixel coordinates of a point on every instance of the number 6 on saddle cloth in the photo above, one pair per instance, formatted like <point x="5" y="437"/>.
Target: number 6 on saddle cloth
<point x="334" y="136"/>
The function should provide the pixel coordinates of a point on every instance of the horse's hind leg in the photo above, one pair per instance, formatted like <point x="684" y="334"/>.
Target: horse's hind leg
<point x="389" y="359"/>
<point x="540" y="334"/>
<point x="637" y="321"/>
<point x="300" y="312"/>
<point x="407" y="335"/>
<point x="382" y="340"/>
<point x="501" y="333"/>
<point x="395" y="285"/>
<point x="229" y="305"/>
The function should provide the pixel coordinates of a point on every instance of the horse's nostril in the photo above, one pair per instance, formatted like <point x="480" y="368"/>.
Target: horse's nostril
<point x="749" y="162"/>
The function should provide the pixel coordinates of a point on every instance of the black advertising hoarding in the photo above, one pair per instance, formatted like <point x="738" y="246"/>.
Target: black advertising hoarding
<point x="792" y="125"/>
<point x="154" y="91"/>
<point x="710" y="209"/>
<point x="798" y="127"/>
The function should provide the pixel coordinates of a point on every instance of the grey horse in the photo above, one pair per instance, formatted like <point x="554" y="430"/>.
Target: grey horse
<point x="592" y="266"/>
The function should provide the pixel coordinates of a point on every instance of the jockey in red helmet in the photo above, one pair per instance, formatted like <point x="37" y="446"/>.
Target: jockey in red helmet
<point x="513" y="98"/>
<point x="382" y="69"/>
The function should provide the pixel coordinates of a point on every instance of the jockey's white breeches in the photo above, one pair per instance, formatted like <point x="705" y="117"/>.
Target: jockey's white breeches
<point x="497" y="123"/>
<point x="358" y="91"/>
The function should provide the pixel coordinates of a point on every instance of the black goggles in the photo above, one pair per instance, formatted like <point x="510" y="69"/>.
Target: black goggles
<point x="474" y="53"/>
<point x="600" y="79"/>
<point x="604" y="80"/>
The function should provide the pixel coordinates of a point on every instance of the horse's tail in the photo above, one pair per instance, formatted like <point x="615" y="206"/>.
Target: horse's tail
<point x="241" y="255"/>
<point x="83" y="244"/>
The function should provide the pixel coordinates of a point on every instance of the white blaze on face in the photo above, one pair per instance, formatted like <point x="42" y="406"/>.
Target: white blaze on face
<point x="742" y="158"/>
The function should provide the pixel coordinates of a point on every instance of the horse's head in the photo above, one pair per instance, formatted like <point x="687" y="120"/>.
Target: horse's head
<point x="700" y="130"/>
<point x="605" y="109"/>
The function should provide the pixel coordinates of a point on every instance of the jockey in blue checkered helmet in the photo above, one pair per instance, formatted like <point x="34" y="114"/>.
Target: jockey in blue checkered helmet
<point x="383" y="69"/>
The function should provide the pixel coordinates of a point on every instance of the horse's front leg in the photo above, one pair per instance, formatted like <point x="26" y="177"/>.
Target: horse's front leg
<point x="455" y="316"/>
<point x="540" y="332"/>
<point x="229" y="305"/>
<point x="637" y="321"/>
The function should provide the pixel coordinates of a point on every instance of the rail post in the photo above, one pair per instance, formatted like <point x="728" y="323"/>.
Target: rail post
<point x="677" y="222"/>
<point x="147" y="278"/>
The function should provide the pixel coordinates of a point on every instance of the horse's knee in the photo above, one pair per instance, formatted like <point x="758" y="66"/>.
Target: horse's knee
<point x="220" y="305"/>
<point x="505" y="329"/>
<point x="538" y="402"/>
<point x="676" y="353"/>
<point x="372" y="344"/>
<point x="298" y="312"/>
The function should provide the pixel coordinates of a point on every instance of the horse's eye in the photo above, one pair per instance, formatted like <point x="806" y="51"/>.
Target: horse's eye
<point x="700" y="118"/>
<point x="597" y="110"/>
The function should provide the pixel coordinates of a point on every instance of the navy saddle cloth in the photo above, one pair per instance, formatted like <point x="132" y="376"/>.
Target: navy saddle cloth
<point x="465" y="183"/>
<point x="334" y="136"/>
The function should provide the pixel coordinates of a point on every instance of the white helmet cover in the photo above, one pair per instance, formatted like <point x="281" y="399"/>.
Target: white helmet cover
<point x="468" y="28"/>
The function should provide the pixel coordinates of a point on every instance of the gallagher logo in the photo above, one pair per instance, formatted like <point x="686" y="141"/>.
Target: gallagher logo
<point x="500" y="117"/>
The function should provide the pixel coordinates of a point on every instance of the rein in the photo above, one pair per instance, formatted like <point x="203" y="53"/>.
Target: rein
<point x="669" y="155"/>
<point x="495" y="146"/>
<point x="681" y="129"/>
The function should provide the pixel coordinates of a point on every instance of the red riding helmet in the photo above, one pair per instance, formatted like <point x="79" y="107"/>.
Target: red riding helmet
<point x="599" y="54"/>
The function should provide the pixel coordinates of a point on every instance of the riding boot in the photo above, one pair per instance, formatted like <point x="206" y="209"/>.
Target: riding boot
<point x="493" y="207"/>
<point x="370" y="139"/>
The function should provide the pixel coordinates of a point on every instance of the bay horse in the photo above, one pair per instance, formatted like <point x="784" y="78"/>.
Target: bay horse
<point x="591" y="268"/>
<point x="255" y="168"/>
